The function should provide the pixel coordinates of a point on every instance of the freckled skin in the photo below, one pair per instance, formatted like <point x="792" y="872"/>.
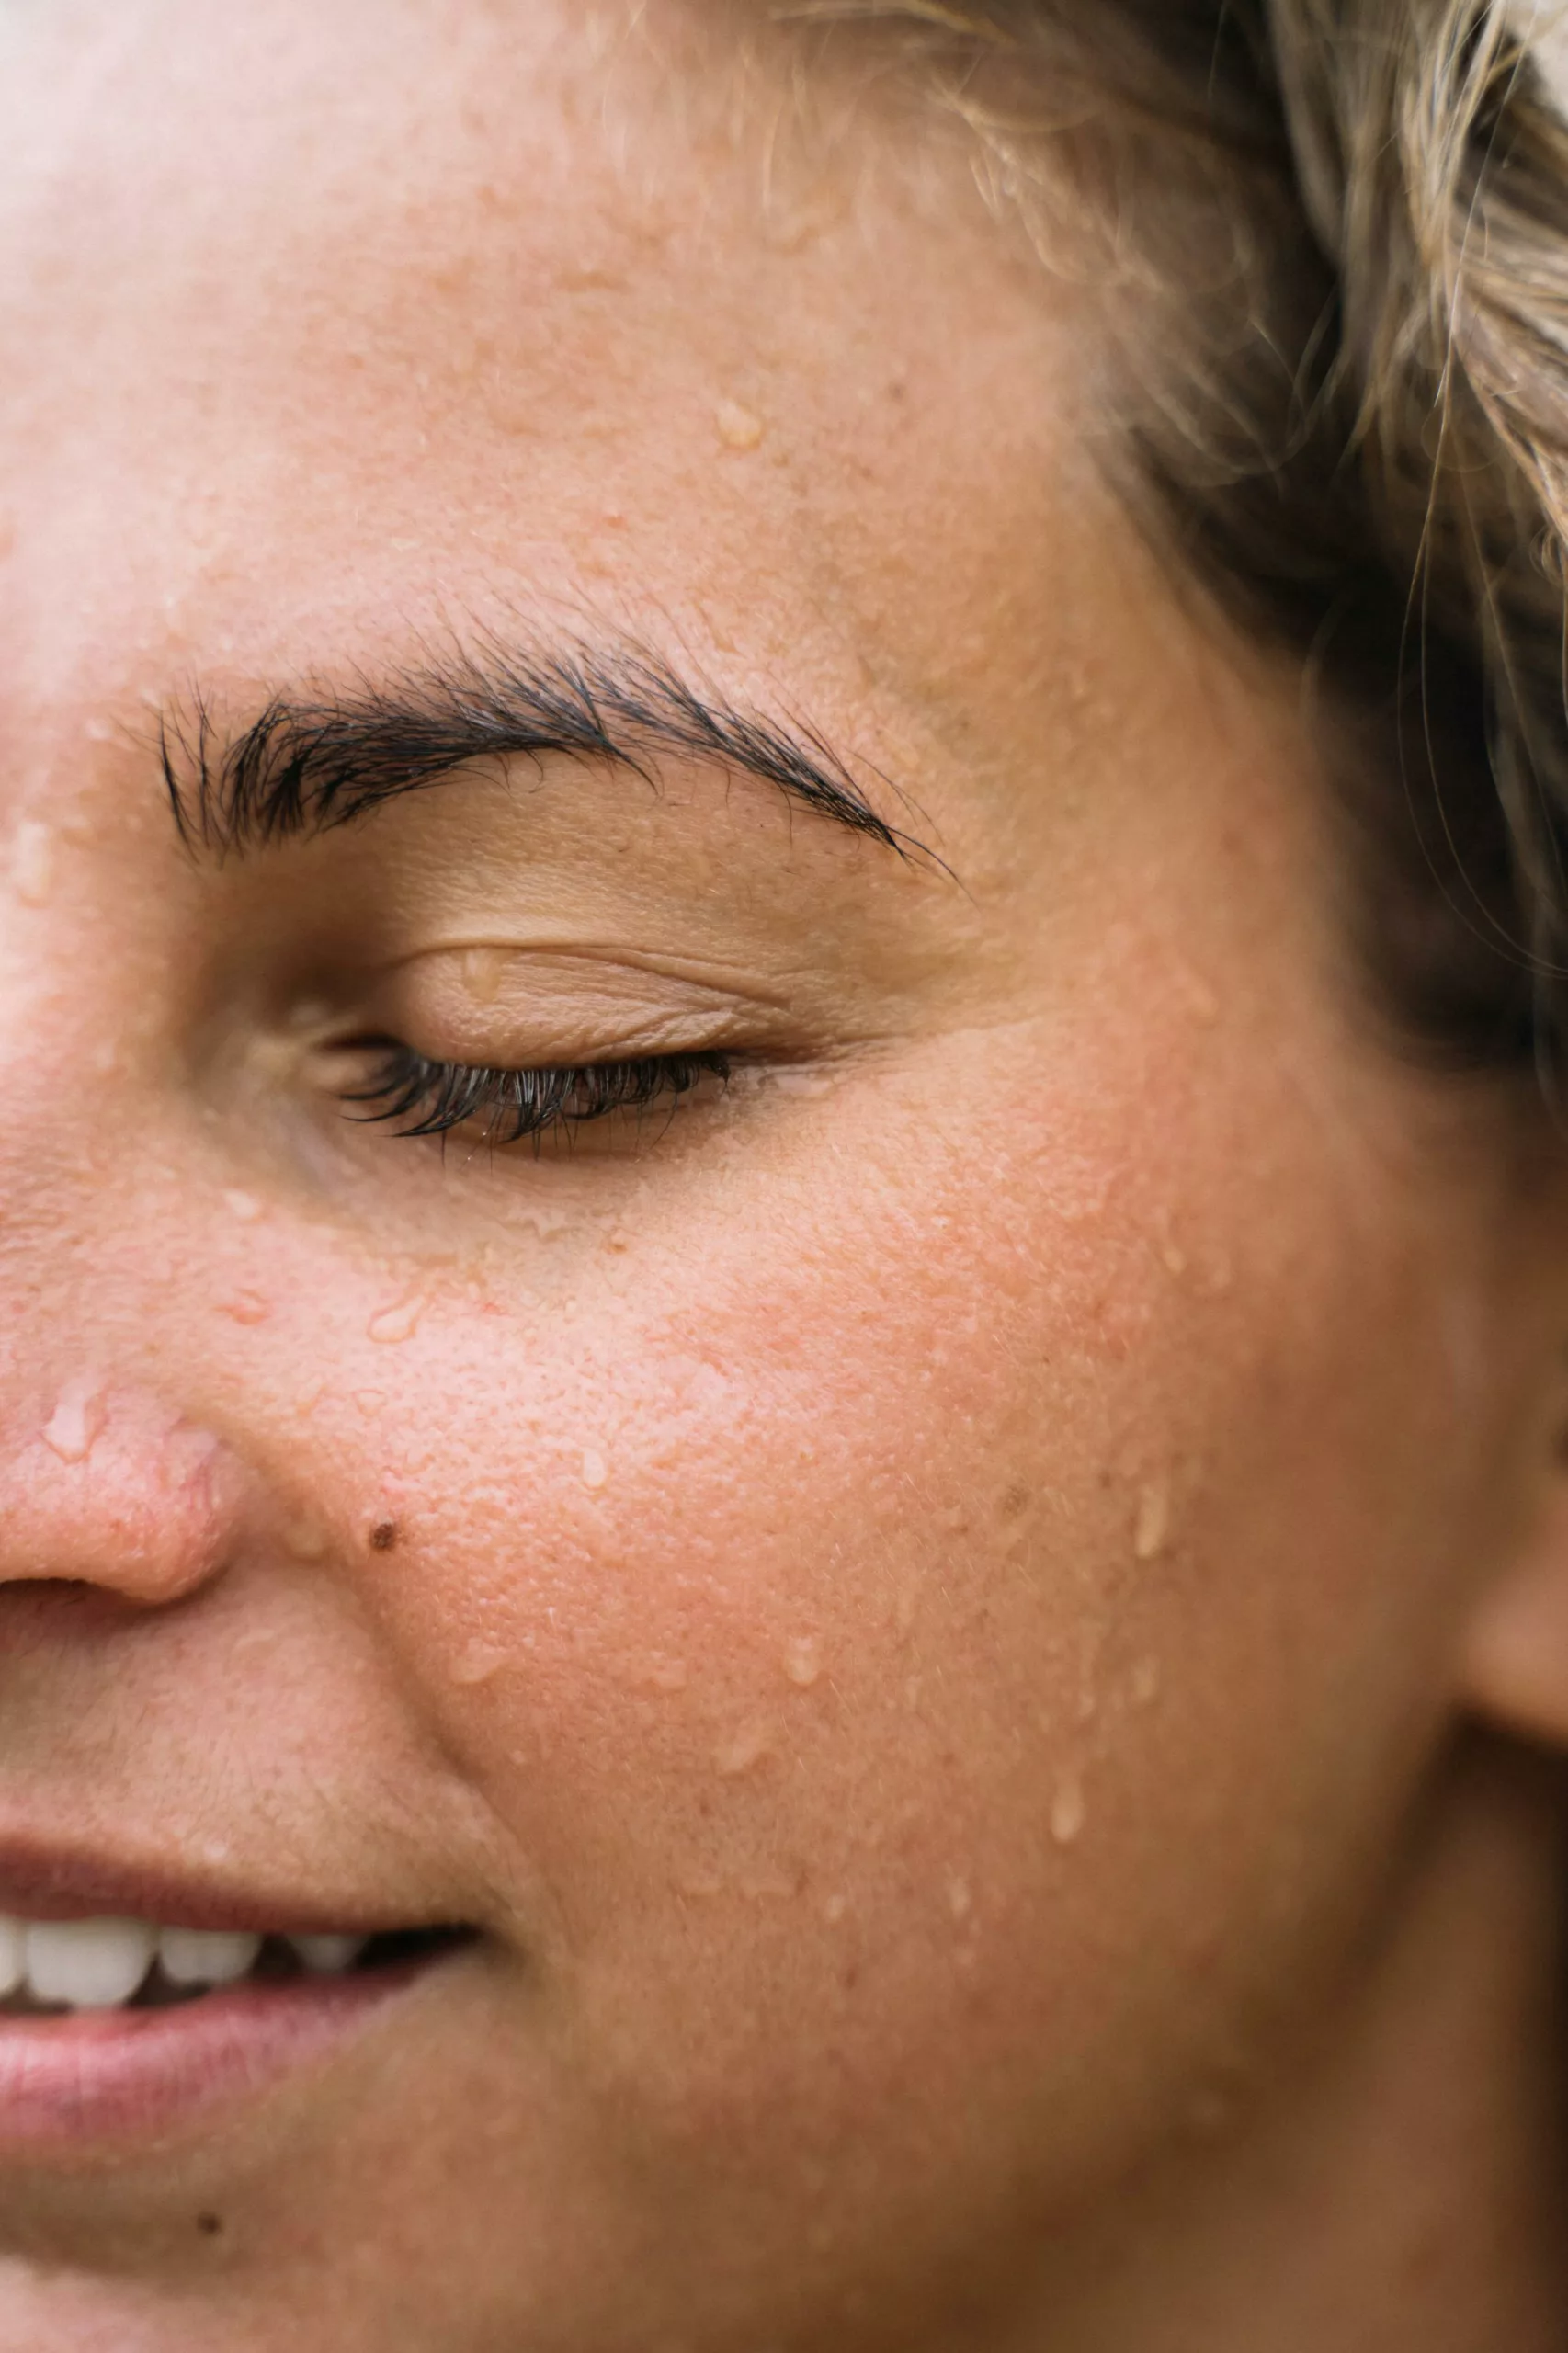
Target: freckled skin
<point x="1041" y="1459"/>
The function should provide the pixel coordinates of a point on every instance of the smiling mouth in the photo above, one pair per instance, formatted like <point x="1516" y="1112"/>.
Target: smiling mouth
<point x="65" y="1968"/>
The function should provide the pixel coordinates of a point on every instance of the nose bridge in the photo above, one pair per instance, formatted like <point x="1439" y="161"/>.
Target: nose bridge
<point x="105" y="1483"/>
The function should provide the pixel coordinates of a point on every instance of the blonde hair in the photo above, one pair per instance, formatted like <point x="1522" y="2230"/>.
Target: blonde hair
<point x="1335" y="239"/>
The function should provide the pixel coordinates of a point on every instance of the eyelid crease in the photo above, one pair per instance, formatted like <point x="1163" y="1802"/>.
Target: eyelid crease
<point x="742" y="993"/>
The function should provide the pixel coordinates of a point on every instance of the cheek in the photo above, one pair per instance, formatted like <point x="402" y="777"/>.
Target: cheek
<point x="953" y="1591"/>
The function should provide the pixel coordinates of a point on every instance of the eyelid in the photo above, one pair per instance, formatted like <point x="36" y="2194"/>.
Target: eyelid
<point x="483" y="1003"/>
<point x="488" y="961"/>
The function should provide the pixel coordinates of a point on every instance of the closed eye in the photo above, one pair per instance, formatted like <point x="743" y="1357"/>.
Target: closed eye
<point x="416" y="1096"/>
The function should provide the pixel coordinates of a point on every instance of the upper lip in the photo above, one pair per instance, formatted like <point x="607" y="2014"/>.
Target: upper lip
<point x="43" y="1880"/>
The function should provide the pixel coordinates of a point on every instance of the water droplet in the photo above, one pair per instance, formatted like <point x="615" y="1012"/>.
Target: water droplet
<point x="1175" y="1260"/>
<point x="479" y="1662"/>
<point x="1151" y="1530"/>
<point x="397" y="1321"/>
<point x="1068" y="1812"/>
<point x="737" y="427"/>
<point x="745" y="1749"/>
<point x="834" y="1910"/>
<point x="32" y="864"/>
<point x="246" y="1307"/>
<point x="802" y="1661"/>
<point x="483" y="970"/>
<point x="1144" y="1684"/>
<point x="305" y="1539"/>
<point x="244" y="1207"/>
<point x="370" y="1400"/>
<point x="76" y="1423"/>
<point x="596" y="1470"/>
<point x="961" y="1901"/>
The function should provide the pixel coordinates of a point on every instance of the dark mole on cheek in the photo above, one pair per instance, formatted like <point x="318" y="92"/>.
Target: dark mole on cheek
<point x="209" y="2225"/>
<point x="384" y="1536"/>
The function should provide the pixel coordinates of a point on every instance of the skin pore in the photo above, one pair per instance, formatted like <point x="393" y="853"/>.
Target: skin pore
<point x="929" y="1603"/>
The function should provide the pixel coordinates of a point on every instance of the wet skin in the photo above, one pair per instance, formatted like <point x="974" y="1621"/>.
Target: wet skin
<point x="909" y="1598"/>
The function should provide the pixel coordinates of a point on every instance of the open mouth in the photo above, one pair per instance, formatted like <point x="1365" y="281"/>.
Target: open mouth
<point x="62" y="1968"/>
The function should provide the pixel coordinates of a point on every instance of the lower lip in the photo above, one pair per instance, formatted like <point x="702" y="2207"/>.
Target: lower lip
<point x="124" y="2074"/>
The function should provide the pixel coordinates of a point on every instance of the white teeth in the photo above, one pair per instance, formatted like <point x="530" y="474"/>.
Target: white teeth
<point x="329" y="1956"/>
<point x="99" y="1965"/>
<point x="89" y="1964"/>
<point x="206" y="1955"/>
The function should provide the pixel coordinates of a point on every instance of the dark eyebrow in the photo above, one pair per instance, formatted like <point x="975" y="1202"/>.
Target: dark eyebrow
<point x="313" y="762"/>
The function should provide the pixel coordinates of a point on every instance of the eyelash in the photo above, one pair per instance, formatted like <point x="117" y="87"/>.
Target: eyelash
<point x="432" y="1098"/>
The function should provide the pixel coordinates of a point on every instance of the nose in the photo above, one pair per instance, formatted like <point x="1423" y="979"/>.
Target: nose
<point x="108" y="1485"/>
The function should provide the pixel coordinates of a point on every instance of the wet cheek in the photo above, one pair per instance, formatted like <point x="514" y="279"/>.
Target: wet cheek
<point x="665" y="1569"/>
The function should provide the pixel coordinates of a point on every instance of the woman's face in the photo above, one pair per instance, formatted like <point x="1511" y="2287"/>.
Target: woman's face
<point x="902" y="1599"/>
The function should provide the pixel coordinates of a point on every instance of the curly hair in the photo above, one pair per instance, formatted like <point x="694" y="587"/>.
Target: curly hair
<point x="1332" y="236"/>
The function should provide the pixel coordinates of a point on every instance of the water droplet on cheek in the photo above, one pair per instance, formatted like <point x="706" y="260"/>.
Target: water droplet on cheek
<point x="1068" y="1812"/>
<point x="246" y="1307"/>
<point x="76" y="1423"/>
<point x="737" y="427"/>
<point x="1153" y="1526"/>
<point x="305" y="1539"/>
<point x="802" y="1662"/>
<point x="479" y="1662"/>
<point x="744" y="1751"/>
<point x="1143" y="1686"/>
<point x="397" y="1321"/>
<point x="960" y="1901"/>
<point x="595" y="1468"/>
<point x="243" y="1208"/>
<point x="32" y="864"/>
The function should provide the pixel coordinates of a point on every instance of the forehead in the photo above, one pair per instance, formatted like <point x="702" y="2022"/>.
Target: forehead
<point x="331" y="322"/>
